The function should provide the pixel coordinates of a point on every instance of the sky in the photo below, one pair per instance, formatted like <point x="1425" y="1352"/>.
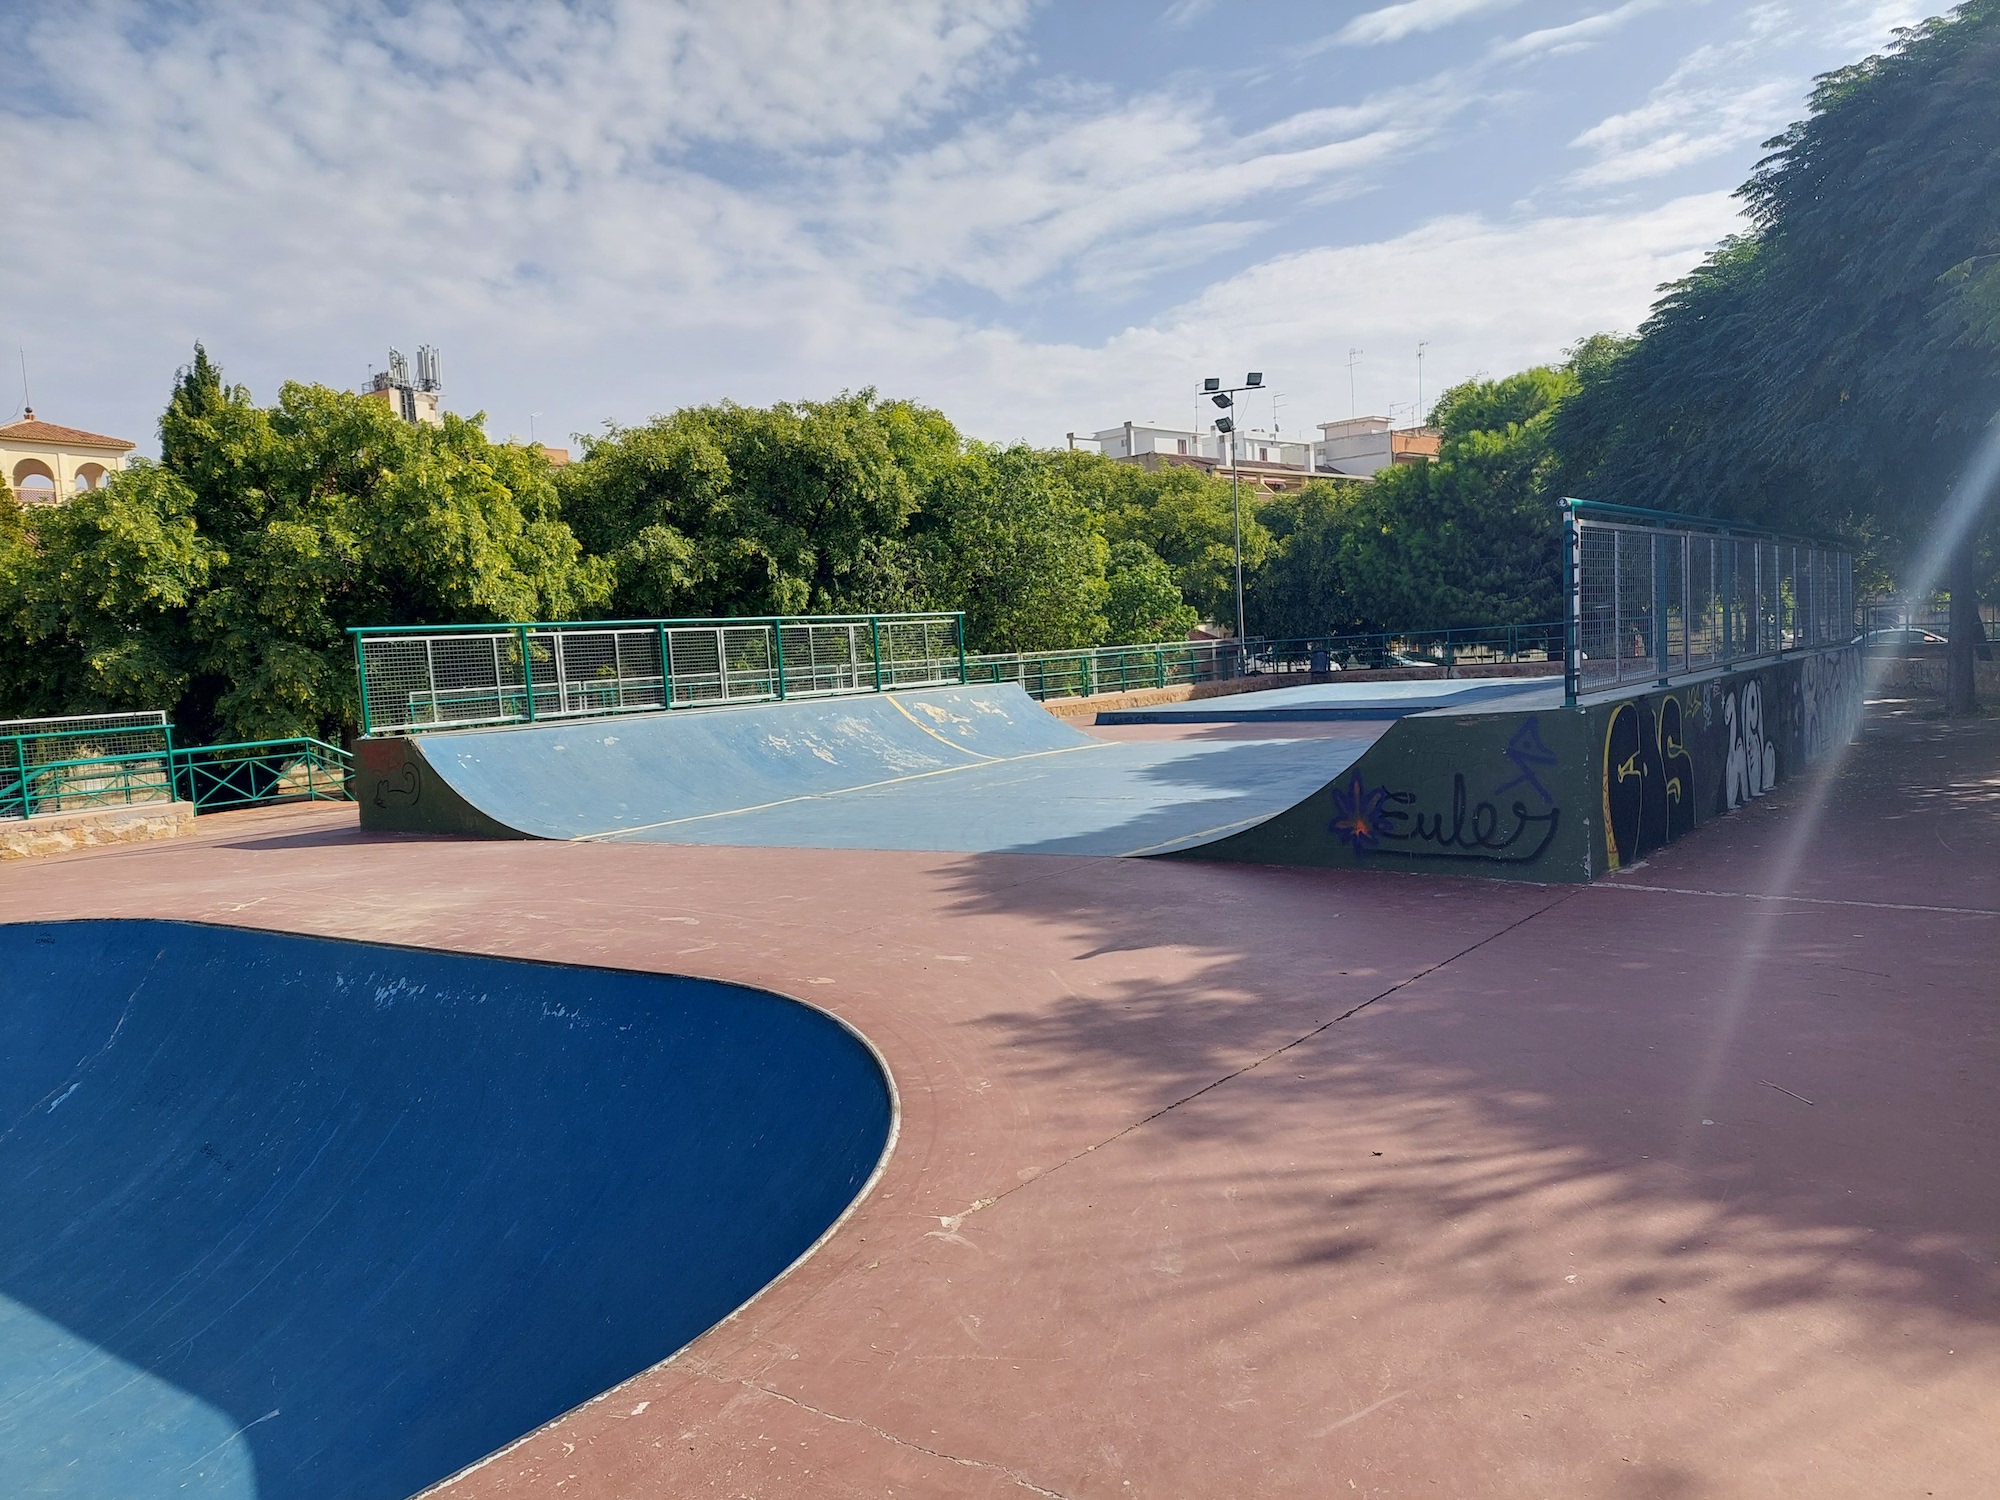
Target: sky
<point x="1042" y="219"/>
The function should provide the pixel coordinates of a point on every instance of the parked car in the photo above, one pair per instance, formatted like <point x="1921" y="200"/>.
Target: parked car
<point x="1905" y="635"/>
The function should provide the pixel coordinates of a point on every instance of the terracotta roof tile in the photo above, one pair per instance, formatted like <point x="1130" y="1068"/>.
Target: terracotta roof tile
<point x="32" y="430"/>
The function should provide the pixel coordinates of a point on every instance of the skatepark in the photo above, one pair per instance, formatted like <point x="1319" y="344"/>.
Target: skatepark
<point x="1196" y="1176"/>
<point x="761" y="1058"/>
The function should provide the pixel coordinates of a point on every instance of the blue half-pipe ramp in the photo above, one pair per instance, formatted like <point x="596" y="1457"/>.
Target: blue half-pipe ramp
<point x="967" y="769"/>
<point x="283" y="1217"/>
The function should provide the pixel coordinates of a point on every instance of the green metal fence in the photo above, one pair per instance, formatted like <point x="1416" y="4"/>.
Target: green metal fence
<point x="452" y="676"/>
<point x="110" y="760"/>
<point x="1114" y="669"/>
<point x="260" y="771"/>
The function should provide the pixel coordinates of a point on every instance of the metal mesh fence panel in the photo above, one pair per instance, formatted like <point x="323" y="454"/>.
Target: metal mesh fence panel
<point x="1654" y="601"/>
<point x="1635" y="605"/>
<point x="524" y="673"/>
<point x="81" y="761"/>
<point x="1597" y="620"/>
<point x="1704" y="602"/>
<point x="1670" y="578"/>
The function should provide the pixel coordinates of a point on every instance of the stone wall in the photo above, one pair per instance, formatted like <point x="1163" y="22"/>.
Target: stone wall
<point x="66" y="832"/>
<point x="1924" y="676"/>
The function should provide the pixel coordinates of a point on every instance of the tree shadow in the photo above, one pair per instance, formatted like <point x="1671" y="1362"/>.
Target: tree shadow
<point x="1624" y="1073"/>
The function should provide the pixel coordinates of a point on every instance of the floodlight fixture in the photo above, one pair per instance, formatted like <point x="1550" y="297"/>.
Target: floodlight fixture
<point x="1222" y="400"/>
<point x="1223" y="424"/>
<point x="1213" y="383"/>
<point x="1255" y="377"/>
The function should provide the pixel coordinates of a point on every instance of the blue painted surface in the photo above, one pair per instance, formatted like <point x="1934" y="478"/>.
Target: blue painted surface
<point x="969" y="770"/>
<point x="284" y="1217"/>
<point x="1335" y="701"/>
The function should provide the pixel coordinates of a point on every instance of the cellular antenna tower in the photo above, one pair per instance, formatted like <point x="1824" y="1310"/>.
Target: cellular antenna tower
<point x="418" y="400"/>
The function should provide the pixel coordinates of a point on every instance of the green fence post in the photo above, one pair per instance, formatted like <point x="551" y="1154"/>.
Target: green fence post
<point x="173" y="774"/>
<point x="778" y="638"/>
<point x="361" y="676"/>
<point x="527" y="672"/>
<point x="1161" y="673"/>
<point x="27" y="788"/>
<point x="960" y="622"/>
<point x="666" y="669"/>
<point x="875" y="644"/>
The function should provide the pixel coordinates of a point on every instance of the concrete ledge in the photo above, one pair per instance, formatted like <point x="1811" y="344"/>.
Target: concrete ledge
<point x="66" y="832"/>
<point x="1189" y="692"/>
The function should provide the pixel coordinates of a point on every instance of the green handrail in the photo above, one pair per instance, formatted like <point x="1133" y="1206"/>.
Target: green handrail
<point x="209" y="776"/>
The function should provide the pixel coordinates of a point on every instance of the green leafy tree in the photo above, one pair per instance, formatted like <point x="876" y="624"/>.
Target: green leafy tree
<point x="1005" y="538"/>
<point x="1142" y="601"/>
<point x="735" y="510"/>
<point x="1838" y="365"/>
<point x="95" y="594"/>
<point x="1185" y="517"/>
<point x="1302" y="589"/>
<point x="220" y="582"/>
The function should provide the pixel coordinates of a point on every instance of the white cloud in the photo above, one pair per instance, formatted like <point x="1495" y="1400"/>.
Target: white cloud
<point x="605" y="212"/>
<point x="1489" y="296"/>
<point x="1554" y="41"/>
<point x="1186" y="12"/>
<point x="1394" y="22"/>
<point x="1732" y="94"/>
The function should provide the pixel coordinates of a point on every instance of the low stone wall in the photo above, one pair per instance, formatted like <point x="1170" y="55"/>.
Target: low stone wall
<point x="66" y="832"/>
<point x="1924" y="676"/>
<point x="1188" y="692"/>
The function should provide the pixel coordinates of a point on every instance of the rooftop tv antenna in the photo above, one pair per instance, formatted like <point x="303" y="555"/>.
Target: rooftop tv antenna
<point x="1422" y="344"/>
<point x="27" y="401"/>
<point x="1353" y="405"/>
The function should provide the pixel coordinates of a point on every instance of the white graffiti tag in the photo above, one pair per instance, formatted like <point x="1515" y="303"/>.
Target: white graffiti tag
<point x="1753" y="760"/>
<point x="1829" y="701"/>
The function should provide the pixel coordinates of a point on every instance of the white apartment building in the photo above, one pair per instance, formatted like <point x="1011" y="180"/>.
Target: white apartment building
<point x="1132" y="440"/>
<point x="1363" y="446"/>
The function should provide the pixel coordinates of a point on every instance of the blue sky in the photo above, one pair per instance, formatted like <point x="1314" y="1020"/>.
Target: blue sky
<point x="1041" y="218"/>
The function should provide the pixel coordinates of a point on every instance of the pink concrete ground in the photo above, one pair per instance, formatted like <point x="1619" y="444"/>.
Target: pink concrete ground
<point x="1227" y="1181"/>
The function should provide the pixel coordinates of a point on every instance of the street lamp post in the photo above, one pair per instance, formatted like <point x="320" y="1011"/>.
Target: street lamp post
<point x="1225" y="397"/>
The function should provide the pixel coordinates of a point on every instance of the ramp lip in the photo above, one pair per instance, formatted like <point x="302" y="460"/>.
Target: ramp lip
<point x="861" y="1195"/>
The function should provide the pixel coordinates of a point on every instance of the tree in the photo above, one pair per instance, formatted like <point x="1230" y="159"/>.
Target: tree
<point x="1838" y="365"/>
<point x="1185" y="517"/>
<point x="1143" y="603"/>
<point x="788" y="509"/>
<point x="1004" y="537"/>
<point x="94" y="594"/>
<point x="1303" y="590"/>
<point x="219" y="583"/>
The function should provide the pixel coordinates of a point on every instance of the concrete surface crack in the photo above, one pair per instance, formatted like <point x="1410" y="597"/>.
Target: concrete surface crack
<point x="1014" y="1475"/>
<point x="1296" y="1041"/>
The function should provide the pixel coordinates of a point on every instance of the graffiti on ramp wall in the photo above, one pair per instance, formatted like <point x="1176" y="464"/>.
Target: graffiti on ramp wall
<point x="1673" y="759"/>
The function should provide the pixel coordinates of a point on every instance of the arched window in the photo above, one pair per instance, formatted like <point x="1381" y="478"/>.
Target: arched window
<point x="89" y="477"/>
<point x="34" y="482"/>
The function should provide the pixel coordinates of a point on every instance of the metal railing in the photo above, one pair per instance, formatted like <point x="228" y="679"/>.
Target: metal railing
<point x="111" y="760"/>
<point x="254" y="772"/>
<point x="1106" y="669"/>
<point x="1654" y="596"/>
<point x="458" y="676"/>
<point x="84" y="760"/>
<point x="1113" y="669"/>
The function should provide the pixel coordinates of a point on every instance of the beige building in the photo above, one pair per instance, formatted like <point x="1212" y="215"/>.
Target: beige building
<point x="417" y="401"/>
<point x="44" y="463"/>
